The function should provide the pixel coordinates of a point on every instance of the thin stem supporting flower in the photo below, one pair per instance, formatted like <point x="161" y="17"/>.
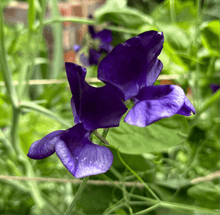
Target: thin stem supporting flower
<point x="77" y="196"/>
<point x="100" y="137"/>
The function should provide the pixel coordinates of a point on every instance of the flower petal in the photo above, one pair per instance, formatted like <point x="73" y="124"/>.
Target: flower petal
<point x="127" y="66"/>
<point x="94" y="107"/>
<point x="94" y="57"/>
<point x="46" y="146"/>
<point x="101" y="108"/>
<point x="76" y="78"/>
<point x="84" y="59"/>
<point x="214" y="87"/>
<point x="157" y="102"/>
<point x="81" y="157"/>
<point x="92" y="31"/>
<point x="187" y="108"/>
<point x="105" y="36"/>
<point x="76" y="47"/>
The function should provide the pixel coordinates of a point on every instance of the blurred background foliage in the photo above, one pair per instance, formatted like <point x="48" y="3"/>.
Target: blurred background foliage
<point x="167" y="155"/>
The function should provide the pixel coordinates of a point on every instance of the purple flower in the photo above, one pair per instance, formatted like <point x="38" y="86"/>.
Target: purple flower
<point x="77" y="153"/>
<point x="131" y="69"/>
<point x="92" y="108"/>
<point x="104" y="38"/>
<point x="129" y="72"/>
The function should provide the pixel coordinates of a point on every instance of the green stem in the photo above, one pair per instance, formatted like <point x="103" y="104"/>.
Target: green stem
<point x="4" y="66"/>
<point x="173" y="205"/>
<point x="214" y="98"/>
<point x="198" y="21"/>
<point x="100" y="137"/>
<point x="24" y="67"/>
<point x="8" y="145"/>
<point x="172" y="11"/>
<point x="57" y="63"/>
<point x="208" y="103"/>
<point x="90" y="22"/>
<point x="148" y="209"/>
<point x="45" y="111"/>
<point x="138" y="177"/>
<point x="69" y="210"/>
<point x="39" y="36"/>
<point x="103" y="136"/>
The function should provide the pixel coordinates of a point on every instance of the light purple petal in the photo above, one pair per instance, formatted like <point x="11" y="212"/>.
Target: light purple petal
<point x="127" y="66"/>
<point x="80" y="156"/>
<point x="76" y="47"/>
<point x="84" y="59"/>
<point x="46" y="146"/>
<point x="157" y="102"/>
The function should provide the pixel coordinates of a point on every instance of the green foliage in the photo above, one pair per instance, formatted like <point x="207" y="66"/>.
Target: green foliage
<point x="205" y="194"/>
<point x="210" y="36"/>
<point x="117" y="12"/>
<point x="166" y="155"/>
<point x="154" y="138"/>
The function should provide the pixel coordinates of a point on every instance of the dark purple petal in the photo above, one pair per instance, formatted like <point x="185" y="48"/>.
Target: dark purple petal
<point x="101" y="108"/>
<point x="75" y="113"/>
<point x="80" y="156"/>
<point x="94" y="107"/>
<point x="76" y="47"/>
<point x="105" y="36"/>
<point x="157" y="102"/>
<point x="92" y="31"/>
<point x="105" y="48"/>
<point x="187" y="108"/>
<point x="76" y="78"/>
<point x="153" y="74"/>
<point x="94" y="57"/>
<point x="46" y="146"/>
<point x="127" y="65"/>
<point x="214" y="87"/>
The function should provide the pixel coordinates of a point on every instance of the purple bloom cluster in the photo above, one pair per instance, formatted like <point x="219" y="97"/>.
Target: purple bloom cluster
<point x="129" y="72"/>
<point x="104" y="39"/>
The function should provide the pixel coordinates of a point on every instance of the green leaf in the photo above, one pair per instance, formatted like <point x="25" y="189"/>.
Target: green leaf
<point x="206" y="194"/>
<point x="175" y="58"/>
<point x="35" y="127"/>
<point x="95" y="199"/>
<point x="43" y="110"/>
<point x="184" y="11"/>
<point x="174" y="183"/>
<point x="154" y="138"/>
<point x="210" y="36"/>
<point x="122" y="15"/>
<point x="136" y="162"/>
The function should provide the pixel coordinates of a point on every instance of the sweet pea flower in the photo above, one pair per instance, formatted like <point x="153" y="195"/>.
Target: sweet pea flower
<point x="129" y="72"/>
<point x="92" y="108"/>
<point x="77" y="153"/>
<point x="132" y="68"/>
<point x="102" y="40"/>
